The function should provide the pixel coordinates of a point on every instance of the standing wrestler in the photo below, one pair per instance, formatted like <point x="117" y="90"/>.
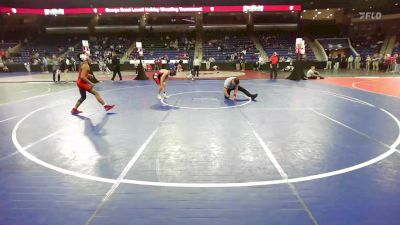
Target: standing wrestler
<point x="160" y="77"/>
<point x="85" y="85"/>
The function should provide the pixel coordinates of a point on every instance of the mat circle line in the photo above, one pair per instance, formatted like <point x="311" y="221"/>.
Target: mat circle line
<point x="38" y="161"/>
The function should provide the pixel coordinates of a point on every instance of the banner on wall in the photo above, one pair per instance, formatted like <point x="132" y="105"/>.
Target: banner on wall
<point x="182" y="9"/>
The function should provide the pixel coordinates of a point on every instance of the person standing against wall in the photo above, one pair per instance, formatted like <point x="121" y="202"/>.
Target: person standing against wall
<point x="337" y="62"/>
<point x="357" y="62"/>
<point x="350" y="62"/>
<point x="397" y="66"/>
<point x="329" y="62"/>
<point x="368" y="63"/>
<point x="375" y="62"/>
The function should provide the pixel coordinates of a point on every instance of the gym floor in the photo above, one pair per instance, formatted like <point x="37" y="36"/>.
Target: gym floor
<point x="308" y="152"/>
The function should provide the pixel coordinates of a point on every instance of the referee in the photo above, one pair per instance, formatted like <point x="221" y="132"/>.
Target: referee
<point x="196" y="67"/>
<point x="116" y="66"/>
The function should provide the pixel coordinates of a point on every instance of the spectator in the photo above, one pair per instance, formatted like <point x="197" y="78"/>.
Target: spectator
<point x="55" y="68"/>
<point x="179" y="67"/>
<point x="350" y="62"/>
<point x="337" y="62"/>
<point x="397" y="66"/>
<point x="368" y="61"/>
<point x="73" y="64"/>
<point x="2" y="65"/>
<point x="45" y="64"/>
<point x="103" y="67"/>
<point x="216" y="68"/>
<point x="208" y="64"/>
<point x="375" y="62"/>
<point x="381" y="62"/>
<point x="64" y="68"/>
<point x="68" y="63"/>
<point x="388" y="63"/>
<point x="260" y="63"/>
<point x="158" y="64"/>
<point x="212" y="61"/>
<point x="237" y="61"/>
<point x="393" y="63"/>
<point x="343" y="61"/>
<point x="313" y="74"/>
<point x="357" y="62"/>
<point x="242" y="63"/>
<point x="329" y="62"/>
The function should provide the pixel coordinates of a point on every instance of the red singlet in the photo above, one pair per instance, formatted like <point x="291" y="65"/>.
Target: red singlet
<point x="157" y="77"/>
<point x="82" y="84"/>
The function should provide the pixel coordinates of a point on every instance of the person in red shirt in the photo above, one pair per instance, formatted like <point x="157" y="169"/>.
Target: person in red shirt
<point x="156" y="64"/>
<point x="397" y="63"/>
<point x="388" y="63"/>
<point x="85" y="85"/>
<point x="274" y="60"/>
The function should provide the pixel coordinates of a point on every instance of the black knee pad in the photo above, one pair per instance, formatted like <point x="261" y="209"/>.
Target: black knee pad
<point x="82" y="98"/>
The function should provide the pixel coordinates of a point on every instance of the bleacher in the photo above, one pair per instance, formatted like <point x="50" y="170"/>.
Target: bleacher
<point x="100" y="47"/>
<point x="52" y="45"/>
<point x="7" y="45"/>
<point x="157" y="46"/>
<point x="367" y="47"/>
<point x="230" y="44"/>
<point x="367" y="40"/>
<point x="283" y="45"/>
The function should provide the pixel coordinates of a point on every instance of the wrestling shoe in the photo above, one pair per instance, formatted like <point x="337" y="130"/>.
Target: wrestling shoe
<point x="75" y="111"/>
<point x="165" y="95"/>
<point x="108" y="107"/>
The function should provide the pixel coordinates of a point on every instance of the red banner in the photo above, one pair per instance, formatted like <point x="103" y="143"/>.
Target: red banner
<point x="185" y="9"/>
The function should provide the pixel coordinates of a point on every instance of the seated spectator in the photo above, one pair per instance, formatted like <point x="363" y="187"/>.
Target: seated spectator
<point x="5" y="69"/>
<point x="216" y="68"/>
<point x="179" y="68"/>
<point x="1" y="64"/>
<point x="313" y="74"/>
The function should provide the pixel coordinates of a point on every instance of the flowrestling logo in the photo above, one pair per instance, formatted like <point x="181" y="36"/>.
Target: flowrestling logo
<point x="370" y="15"/>
<point x="54" y="12"/>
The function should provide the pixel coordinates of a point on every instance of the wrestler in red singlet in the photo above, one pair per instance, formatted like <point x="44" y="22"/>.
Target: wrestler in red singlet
<point x="81" y="83"/>
<point x="85" y="85"/>
<point x="160" y="77"/>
